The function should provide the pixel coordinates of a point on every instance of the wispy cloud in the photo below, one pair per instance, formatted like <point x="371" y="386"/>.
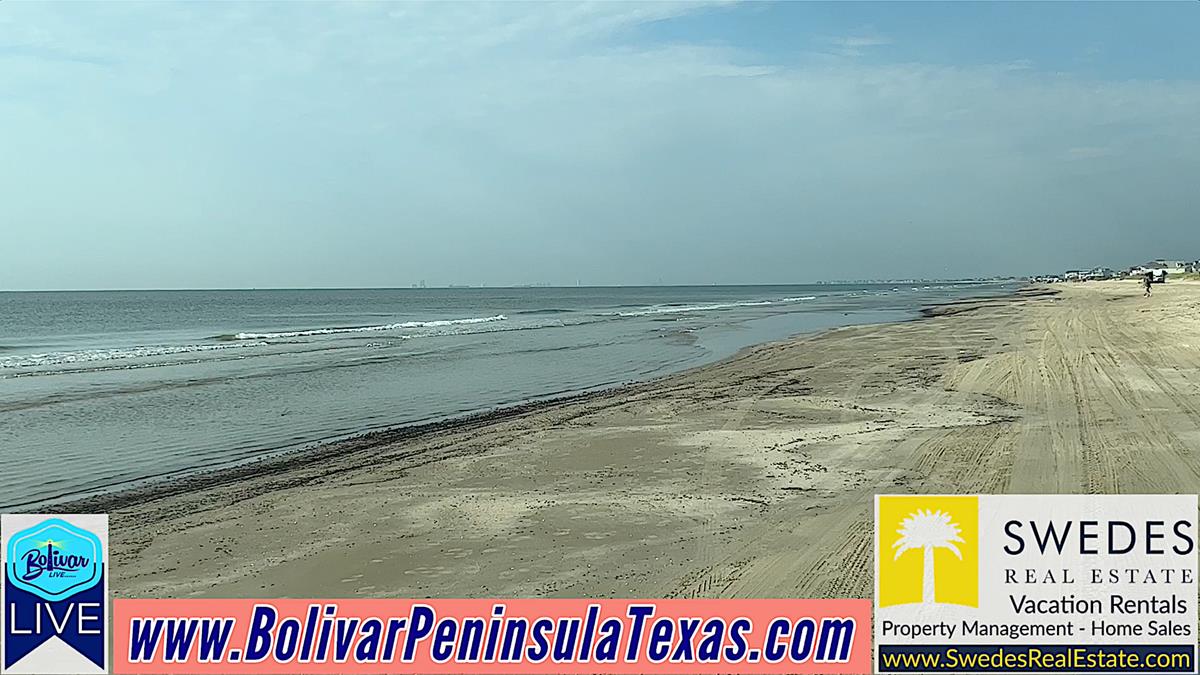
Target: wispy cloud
<point x="1019" y="64"/>
<point x="855" y="45"/>
<point x="859" y="41"/>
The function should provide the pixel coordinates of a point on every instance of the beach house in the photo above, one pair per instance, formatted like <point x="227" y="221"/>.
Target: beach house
<point x="1171" y="265"/>
<point x="1100" y="273"/>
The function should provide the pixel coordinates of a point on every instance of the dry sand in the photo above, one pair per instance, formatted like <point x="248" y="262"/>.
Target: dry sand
<point x="749" y="478"/>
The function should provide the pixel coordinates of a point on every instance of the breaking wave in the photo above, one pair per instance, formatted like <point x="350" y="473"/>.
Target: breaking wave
<point x="363" y="329"/>
<point x="89" y="355"/>
<point x="683" y="309"/>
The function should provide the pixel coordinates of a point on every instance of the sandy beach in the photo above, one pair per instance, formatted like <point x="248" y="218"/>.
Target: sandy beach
<point x="752" y="477"/>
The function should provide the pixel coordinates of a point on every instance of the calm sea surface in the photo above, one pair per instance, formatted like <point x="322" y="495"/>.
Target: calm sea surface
<point x="104" y="390"/>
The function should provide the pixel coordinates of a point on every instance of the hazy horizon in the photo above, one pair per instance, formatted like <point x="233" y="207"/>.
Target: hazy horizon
<point x="485" y="286"/>
<point x="373" y="145"/>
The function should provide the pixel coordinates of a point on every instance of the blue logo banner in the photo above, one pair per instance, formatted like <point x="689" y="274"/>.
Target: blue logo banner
<point x="78" y="621"/>
<point x="54" y="588"/>
<point x="54" y="560"/>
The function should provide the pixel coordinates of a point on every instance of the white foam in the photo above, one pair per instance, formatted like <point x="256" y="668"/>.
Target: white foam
<point x="705" y="308"/>
<point x="683" y="309"/>
<point x="368" y="329"/>
<point x="89" y="355"/>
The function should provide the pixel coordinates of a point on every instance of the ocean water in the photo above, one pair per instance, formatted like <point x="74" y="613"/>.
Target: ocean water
<point x="106" y="390"/>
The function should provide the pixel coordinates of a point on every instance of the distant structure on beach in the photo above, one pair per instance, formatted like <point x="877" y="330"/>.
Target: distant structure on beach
<point x="1156" y="268"/>
<point x="1177" y="266"/>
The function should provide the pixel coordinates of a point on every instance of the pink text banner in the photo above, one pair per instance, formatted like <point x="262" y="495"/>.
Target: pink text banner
<point x="491" y="636"/>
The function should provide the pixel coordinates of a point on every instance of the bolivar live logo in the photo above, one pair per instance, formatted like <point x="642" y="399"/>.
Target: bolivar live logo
<point x="55" y="593"/>
<point x="1035" y="583"/>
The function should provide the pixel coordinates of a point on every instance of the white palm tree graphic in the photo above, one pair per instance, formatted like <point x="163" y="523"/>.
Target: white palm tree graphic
<point x="927" y="530"/>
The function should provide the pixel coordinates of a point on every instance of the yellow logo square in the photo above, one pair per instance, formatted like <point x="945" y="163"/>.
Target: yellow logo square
<point x="927" y="550"/>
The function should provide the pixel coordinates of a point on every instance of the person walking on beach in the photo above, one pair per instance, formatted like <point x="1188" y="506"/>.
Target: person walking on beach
<point x="1146" y="281"/>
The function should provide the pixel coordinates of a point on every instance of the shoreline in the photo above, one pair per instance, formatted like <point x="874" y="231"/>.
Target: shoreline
<point x="750" y="477"/>
<point x="283" y="460"/>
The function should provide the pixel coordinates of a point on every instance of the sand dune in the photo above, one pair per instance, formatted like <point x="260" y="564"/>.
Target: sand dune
<point x="752" y="477"/>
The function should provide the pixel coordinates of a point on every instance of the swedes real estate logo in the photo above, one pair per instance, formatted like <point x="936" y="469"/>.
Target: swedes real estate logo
<point x="55" y="593"/>
<point x="1038" y="583"/>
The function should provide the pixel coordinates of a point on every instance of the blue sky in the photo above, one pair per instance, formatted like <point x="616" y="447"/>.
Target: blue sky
<point x="374" y="144"/>
<point x="1100" y="39"/>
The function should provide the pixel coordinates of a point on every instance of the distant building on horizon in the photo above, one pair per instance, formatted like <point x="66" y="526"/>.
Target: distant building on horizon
<point x="1169" y="265"/>
<point x="1162" y="266"/>
<point x="1101" y="273"/>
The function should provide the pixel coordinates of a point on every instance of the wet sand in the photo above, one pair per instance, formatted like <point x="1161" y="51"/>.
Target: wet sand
<point x="752" y="477"/>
